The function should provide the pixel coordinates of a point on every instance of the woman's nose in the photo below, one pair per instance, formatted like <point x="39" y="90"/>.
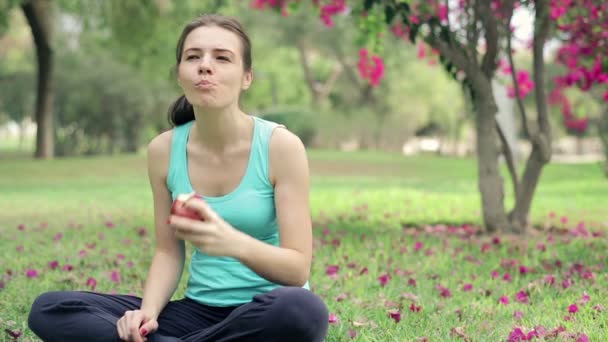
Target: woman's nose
<point x="204" y="66"/>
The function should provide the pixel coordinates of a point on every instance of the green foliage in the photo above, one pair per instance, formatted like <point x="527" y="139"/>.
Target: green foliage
<point x="103" y="106"/>
<point x="301" y="123"/>
<point x="17" y="95"/>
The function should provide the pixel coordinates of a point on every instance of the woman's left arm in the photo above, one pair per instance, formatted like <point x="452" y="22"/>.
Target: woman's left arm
<point x="290" y="263"/>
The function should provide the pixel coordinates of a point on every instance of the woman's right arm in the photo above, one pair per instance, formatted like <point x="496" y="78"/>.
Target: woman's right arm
<point x="168" y="261"/>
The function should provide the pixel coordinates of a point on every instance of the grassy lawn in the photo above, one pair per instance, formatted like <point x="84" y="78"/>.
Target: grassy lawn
<point x="382" y="279"/>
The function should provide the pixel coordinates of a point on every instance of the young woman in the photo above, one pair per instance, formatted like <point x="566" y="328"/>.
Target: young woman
<point x="253" y="237"/>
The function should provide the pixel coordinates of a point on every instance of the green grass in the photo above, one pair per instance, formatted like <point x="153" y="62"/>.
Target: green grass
<point x="362" y="202"/>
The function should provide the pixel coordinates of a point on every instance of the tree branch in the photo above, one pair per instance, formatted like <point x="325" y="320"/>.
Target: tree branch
<point x="490" y="25"/>
<point x="509" y="159"/>
<point x="329" y="83"/>
<point x="520" y="102"/>
<point x="307" y="72"/>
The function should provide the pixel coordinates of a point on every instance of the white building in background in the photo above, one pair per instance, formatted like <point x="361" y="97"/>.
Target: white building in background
<point x="12" y="130"/>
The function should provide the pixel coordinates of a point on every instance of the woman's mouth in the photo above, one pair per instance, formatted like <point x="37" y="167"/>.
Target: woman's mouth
<point x="204" y="84"/>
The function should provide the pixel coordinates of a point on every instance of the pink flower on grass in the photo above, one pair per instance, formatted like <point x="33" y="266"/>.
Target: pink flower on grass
<point x="383" y="279"/>
<point x="341" y="297"/>
<point x="585" y="298"/>
<point x="444" y="291"/>
<point x="418" y="246"/>
<point x="53" y="264"/>
<point x="467" y="287"/>
<point x="573" y="308"/>
<point x="504" y="300"/>
<point x="31" y="273"/>
<point x="332" y="270"/>
<point x="411" y="282"/>
<point x="333" y="318"/>
<point x="518" y="314"/>
<point x="414" y="308"/>
<point x="396" y="315"/>
<point x="67" y="267"/>
<point x="522" y="297"/>
<point x="92" y="283"/>
<point x="115" y="277"/>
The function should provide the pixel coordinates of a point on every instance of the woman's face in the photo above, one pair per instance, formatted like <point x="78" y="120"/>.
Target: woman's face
<point x="211" y="68"/>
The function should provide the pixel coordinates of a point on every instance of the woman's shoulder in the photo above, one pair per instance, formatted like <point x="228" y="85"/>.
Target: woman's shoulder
<point x="159" y="152"/>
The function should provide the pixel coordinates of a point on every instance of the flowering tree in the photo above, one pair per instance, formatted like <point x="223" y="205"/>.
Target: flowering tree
<point x="583" y="28"/>
<point x="472" y="39"/>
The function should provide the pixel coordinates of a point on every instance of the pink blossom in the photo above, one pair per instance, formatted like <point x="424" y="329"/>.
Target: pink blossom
<point x="467" y="287"/>
<point x="504" y="300"/>
<point x="518" y="314"/>
<point x="31" y="273"/>
<point x="522" y="297"/>
<point x="333" y="318"/>
<point x="414" y="308"/>
<point x="53" y="264"/>
<point x="384" y="279"/>
<point x="92" y="283"/>
<point x="573" y="308"/>
<point x="67" y="267"/>
<point x="411" y="282"/>
<point x="115" y="277"/>
<point x="396" y="315"/>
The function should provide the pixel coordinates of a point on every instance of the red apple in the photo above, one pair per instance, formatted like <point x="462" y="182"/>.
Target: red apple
<point x="178" y="208"/>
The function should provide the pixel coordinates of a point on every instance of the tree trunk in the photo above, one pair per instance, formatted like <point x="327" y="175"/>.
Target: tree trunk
<point x="39" y="17"/>
<point x="490" y="182"/>
<point x="541" y="139"/>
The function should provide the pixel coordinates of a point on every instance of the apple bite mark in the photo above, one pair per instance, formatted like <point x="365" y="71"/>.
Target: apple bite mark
<point x="178" y="208"/>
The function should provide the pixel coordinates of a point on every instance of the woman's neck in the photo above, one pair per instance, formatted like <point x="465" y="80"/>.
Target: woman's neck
<point x="219" y="131"/>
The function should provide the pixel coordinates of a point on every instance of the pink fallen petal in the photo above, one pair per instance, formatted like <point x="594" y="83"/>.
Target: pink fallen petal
<point x="522" y="297"/>
<point x="92" y="283"/>
<point x="53" y="264"/>
<point x="504" y="300"/>
<point x="396" y="315"/>
<point x="573" y="308"/>
<point x="383" y="279"/>
<point x="332" y="269"/>
<point x="467" y="287"/>
<point x="414" y="308"/>
<point x="352" y="333"/>
<point x="31" y="273"/>
<point x="585" y="298"/>
<point x="340" y="297"/>
<point x="518" y="314"/>
<point x="14" y="334"/>
<point x="333" y="318"/>
<point x="582" y="338"/>
<point x="517" y="335"/>
<point x="67" y="267"/>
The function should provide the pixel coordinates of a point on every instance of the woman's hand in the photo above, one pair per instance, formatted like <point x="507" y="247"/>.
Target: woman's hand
<point x="212" y="235"/>
<point x="135" y="325"/>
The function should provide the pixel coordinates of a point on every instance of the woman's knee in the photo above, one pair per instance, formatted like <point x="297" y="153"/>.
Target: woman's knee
<point x="303" y="310"/>
<point x="37" y="321"/>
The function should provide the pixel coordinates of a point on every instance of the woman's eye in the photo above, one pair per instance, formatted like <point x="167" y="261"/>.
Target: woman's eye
<point x="191" y="57"/>
<point x="223" y="58"/>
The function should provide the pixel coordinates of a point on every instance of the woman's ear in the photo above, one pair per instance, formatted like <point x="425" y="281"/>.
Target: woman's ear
<point x="247" y="79"/>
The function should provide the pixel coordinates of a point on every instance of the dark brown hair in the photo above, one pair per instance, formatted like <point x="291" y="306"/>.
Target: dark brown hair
<point x="181" y="111"/>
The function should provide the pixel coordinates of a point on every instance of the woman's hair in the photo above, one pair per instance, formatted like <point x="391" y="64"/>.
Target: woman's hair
<point x="181" y="111"/>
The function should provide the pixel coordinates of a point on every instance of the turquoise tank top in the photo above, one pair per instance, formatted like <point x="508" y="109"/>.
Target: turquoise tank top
<point x="225" y="281"/>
